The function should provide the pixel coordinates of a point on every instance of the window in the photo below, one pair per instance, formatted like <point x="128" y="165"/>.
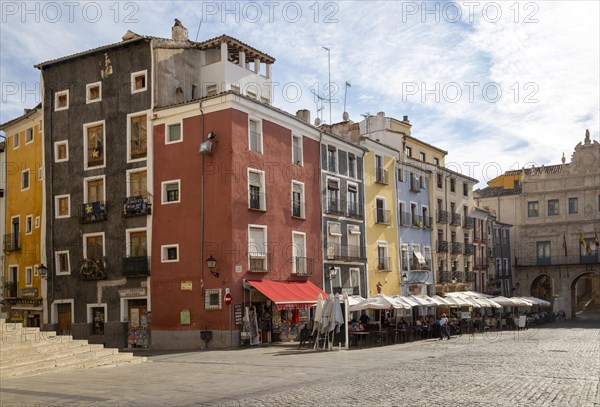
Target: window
<point x="254" y="136"/>
<point x="297" y="199"/>
<point x="29" y="135"/>
<point x="402" y="216"/>
<point x="28" y="224"/>
<point x="94" y="144"/>
<point x="171" y="191"/>
<point x="28" y="275"/>
<point x="138" y="81"/>
<point x="440" y="180"/>
<point x="256" y="190"/>
<point x="465" y="189"/>
<point x="212" y="298"/>
<point x="25" y="179"/>
<point x="40" y="173"/>
<point x="94" y="190"/>
<point x="138" y="136"/>
<point x="354" y="249"/>
<point x="61" y="100"/>
<point x="505" y="266"/>
<point x="62" y="206"/>
<point x="436" y="161"/>
<point x="93" y="248"/>
<point x="257" y="248"/>
<point x="382" y="215"/>
<point x="63" y="265"/>
<point x="299" y="259"/>
<point x="532" y="209"/>
<point x="383" y="261"/>
<point x="15" y="141"/>
<point x="61" y="151"/>
<point x="334" y="240"/>
<point x="169" y="253"/>
<point x="422" y="156"/>
<point x="573" y="205"/>
<point x="400" y="172"/>
<point x="173" y="134"/>
<point x="297" y="150"/>
<point x="352" y="198"/>
<point x="452" y="185"/>
<point x="543" y="250"/>
<point x="408" y="151"/>
<point x="331" y="159"/>
<point x="37" y="222"/>
<point x="93" y="92"/>
<point x="553" y="207"/>
<point x="499" y="266"/>
<point x="138" y="184"/>
<point x="380" y="172"/>
<point x="352" y="166"/>
<point x="138" y="244"/>
<point x="333" y="190"/>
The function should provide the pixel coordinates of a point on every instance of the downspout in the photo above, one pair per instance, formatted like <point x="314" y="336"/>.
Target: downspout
<point x="4" y="175"/>
<point x="202" y="204"/>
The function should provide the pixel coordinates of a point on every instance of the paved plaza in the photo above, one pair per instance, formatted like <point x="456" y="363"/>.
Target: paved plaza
<point x="557" y="364"/>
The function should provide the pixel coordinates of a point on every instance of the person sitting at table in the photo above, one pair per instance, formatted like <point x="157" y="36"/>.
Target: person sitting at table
<point x="359" y="327"/>
<point x="402" y="323"/>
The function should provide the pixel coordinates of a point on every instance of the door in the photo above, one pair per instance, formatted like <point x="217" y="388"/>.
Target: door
<point x="15" y="233"/>
<point x="64" y="318"/>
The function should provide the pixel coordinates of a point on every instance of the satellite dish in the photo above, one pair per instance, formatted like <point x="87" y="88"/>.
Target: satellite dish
<point x="317" y="122"/>
<point x="345" y="116"/>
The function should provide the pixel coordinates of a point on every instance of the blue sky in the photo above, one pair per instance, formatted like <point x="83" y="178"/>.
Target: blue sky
<point x="499" y="85"/>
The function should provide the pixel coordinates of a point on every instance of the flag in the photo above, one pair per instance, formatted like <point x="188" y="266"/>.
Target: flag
<point x="586" y="247"/>
<point x="565" y="243"/>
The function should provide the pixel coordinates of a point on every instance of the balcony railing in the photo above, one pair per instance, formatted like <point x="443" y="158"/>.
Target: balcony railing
<point x="10" y="290"/>
<point x="415" y="265"/>
<point x="256" y="201"/>
<point x="136" y="206"/>
<point x="456" y="248"/>
<point x="446" y="277"/>
<point x="12" y="242"/>
<point x="93" y="269"/>
<point x="481" y="263"/>
<point x="136" y="266"/>
<point x="355" y="210"/>
<point x="469" y="276"/>
<point x="259" y="262"/>
<point x="346" y="253"/>
<point x="381" y="176"/>
<point x="303" y="266"/>
<point x="469" y="249"/>
<point x="469" y="222"/>
<point x="93" y="212"/>
<point x="298" y="209"/>
<point x="557" y="260"/>
<point x="442" y="246"/>
<point x="383" y="264"/>
<point x="382" y="216"/>
<point x="442" y="216"/>
<point x="456" y="219"/>
<point x="334" y="207"/>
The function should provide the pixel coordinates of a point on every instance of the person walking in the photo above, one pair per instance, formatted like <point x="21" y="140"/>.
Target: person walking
<point x="444" y="327"/>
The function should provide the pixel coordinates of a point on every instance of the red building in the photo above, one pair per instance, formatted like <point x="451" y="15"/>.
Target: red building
<point x="257" y="181"/>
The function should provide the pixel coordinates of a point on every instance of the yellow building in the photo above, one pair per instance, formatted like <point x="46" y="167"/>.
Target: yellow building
<point x="380" y="218"/>
<point x="23" y="285"/>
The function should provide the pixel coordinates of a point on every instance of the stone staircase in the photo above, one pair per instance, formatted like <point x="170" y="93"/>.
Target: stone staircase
<point x="28" y="351"/>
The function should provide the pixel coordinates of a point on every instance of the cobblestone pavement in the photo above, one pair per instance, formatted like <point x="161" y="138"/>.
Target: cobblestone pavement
<point x="555" y="365"/>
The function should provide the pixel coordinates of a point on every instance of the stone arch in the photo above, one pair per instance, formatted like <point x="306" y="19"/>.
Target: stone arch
<point x="584" y="288"/>
<point x="543" y="286"/>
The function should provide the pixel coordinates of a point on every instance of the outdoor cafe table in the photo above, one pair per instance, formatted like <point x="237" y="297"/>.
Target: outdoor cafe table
<point x="360" y="337"/>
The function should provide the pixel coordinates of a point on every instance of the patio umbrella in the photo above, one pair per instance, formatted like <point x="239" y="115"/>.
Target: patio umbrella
<point x="487" y="303"/>
<point x="424" y="300"/>
<point x="536" y="301"/>
<point x="505" y="302"/>
<point x="338" y="317"/>
<point x="357" y="303"/>
<point x="318" y="313"/>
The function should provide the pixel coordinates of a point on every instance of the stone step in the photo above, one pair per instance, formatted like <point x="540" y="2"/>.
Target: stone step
<point x="48" y="349"/>
<point x="44" y="339"/>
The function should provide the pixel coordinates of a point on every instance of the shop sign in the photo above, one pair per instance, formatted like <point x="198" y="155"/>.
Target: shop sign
<point x="465" y="315"/>
<point x="237" y="313"/>
<point x="132" y="292"/>
<point x="29" y="292"/>
<point x="144" y="283"/>
<point x="186" y="286"/>
<point x="184" y="317"/>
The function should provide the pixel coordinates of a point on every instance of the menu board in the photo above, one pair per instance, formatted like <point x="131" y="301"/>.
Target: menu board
<point x="238" y="314"/>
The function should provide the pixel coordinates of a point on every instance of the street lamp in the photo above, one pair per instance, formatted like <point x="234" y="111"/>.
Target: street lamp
<point x="43" y="271"/>
<point x="332" y="274"/>
<point x="404" y="280"/>
<point x="211" y="262"/>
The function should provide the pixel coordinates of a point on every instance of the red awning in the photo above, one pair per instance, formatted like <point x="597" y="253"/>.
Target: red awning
<point x="289" y="294"/>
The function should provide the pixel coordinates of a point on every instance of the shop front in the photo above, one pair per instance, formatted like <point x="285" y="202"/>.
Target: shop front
<point x="277" y="310"/>
<point x="134" y="304"/>
<point x="27" y="308"/>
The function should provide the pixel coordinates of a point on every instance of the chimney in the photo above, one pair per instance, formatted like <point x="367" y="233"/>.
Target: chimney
<point x="179" y="32"/>
<point x="405" y="119"/>
<point x="304" y="115"/>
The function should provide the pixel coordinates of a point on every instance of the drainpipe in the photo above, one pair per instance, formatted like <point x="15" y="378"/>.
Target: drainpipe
<point x="202" y="205"/>
<point x="4" y="175"/>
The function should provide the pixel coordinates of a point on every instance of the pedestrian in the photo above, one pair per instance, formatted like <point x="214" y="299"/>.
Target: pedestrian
<point x="444" y="327"/>
<point x="364" y="318"/>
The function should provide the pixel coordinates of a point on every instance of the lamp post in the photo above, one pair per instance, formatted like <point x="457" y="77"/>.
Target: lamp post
<point x="211" y="263"/>
<point x="43" y="271"/>
<point x="403" y="282"/>
<point x="332" y="274"/>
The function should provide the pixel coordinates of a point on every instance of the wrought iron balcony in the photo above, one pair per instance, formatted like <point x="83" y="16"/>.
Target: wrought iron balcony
<point x="259" y="262"/>
<point x="383" y="264"/>
<point x="442" y="246"/>
<point x="334" y="207"/>
<point x="93" y="212"/>
<point x="12" y="242"/>
<point x="10" y="289"/>
<point x="469" y="249"/>
<point x="469" y="222"/>
<point x="383" y="216"/>
<point x="456" y="248"/>
<point x="469" y="276"/>
<point x="355" y="210"/>
<point x="444" y="277"/>
<point x="302" y="266"/>
<point x="93" y="269"/>
<point x="557" y="260"/>
<point x="298" y="209"/>
<point x="138" y="205"/>
<point x="346" y="253"/>
<point x="136" y="266"/>
<point x="381" y="176"/>
<point x="456" y="219"/>
<point x="442" y="216"/>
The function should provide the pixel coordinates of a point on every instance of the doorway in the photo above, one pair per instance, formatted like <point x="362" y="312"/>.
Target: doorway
<point x="138" y="330"/>
<point x="63" y="312"/>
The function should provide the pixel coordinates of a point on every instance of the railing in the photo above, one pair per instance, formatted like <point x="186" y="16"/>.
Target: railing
<point x="303" y="266"/>
<point x="136" y="266"/>
<point x="469" y="222"/>
<point x="256" y="201"/>
<point x="346" y="253"/>
<point x="481" y="263"/>
<point x="10" y="290"/>
<point x="259" y="262"/>
<point x="382" y="216"/>
<point x="12" y="242"/>
<point x="381" y="176"/>
<point x="383" y="263"/>
<point x="136" y="206"/>
<point x="415" y="265"/>
<point x="355" y="210"/>
<point x="557" y="260"/>
<point x="334" y="207"/>
<point x="298" y="209"/>
<point x="93" y="269"/>
<point x="442" y="246"/>
<point x="442" y="216"/>
<point x="469" y="276"/>
<point x="456" y="248"/>
<point x="469" y="249"/>
<point x="93" y="212"/>
<point x="456" y="219"/>
<point x="445" y="277"/>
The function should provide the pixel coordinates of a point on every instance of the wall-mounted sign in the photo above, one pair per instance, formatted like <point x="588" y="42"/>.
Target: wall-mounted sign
<point x="132" y="292"/>
<point x="237" y="314"/>
<point x="465" y="315"/>
<point x="184" y="317"/>
<point x="186" y="286"/>
<point x="238" y="269"/>
<point x="144" y="283"/>
<point x="31" y="292"/>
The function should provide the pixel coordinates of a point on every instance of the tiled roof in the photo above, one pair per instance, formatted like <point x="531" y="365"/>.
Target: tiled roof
<point x="28" y="112"/>
<point x="493" y="192"/>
